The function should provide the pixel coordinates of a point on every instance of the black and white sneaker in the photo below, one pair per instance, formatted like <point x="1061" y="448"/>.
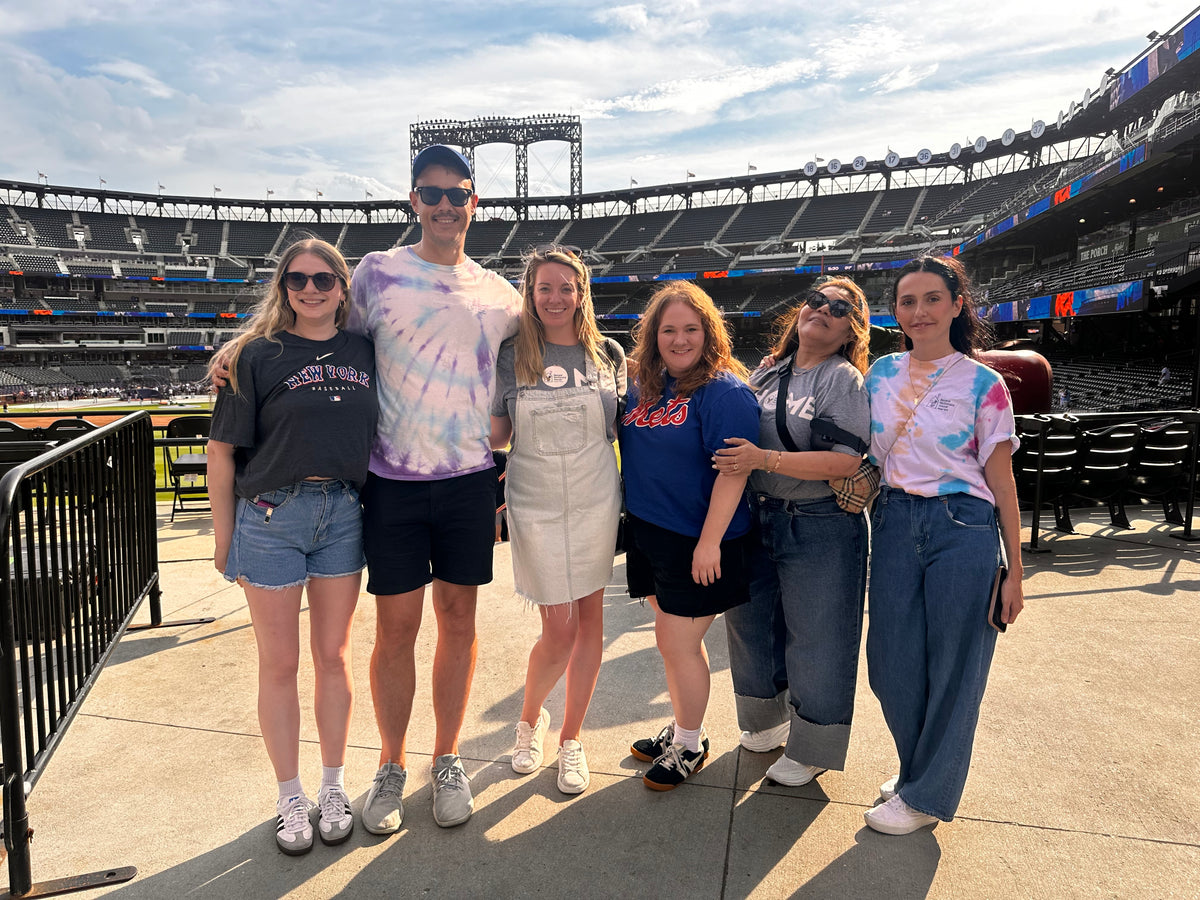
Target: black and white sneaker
<point x="293" y="830"/>
<point x="674" y="767"/>
<point x="336" y="821"/>
<point x="650" y="749"/>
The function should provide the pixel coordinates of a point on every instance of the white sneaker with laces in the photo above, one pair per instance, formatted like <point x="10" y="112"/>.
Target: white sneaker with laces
<point x="786" y="770"/>
<point x="573" y="775"/>
<point x="293" y="830"/>
<point x="766" y="740"/>
<point x="336" y="821"/>
<point x="897" y="817"/>
<point x="527" y="754"/>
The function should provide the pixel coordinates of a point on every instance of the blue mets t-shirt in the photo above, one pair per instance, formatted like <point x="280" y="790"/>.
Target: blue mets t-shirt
<point x="667" y="448"/>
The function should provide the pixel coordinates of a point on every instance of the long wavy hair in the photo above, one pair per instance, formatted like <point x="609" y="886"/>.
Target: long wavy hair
<point x="857" y="347"/>
<point x="968" y="333"/>
<point x="531" y="333"/>
<point x="273" y="314"/>
<point x="647" y="364"/>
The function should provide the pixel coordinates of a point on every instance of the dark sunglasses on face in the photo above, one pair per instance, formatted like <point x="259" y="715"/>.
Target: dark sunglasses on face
<point x="838" y="308"/>
<point x="432" y="196"/>
<point x="322" y="281"/>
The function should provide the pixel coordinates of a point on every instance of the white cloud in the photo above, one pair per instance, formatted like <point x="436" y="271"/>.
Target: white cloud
<point x="901" y="79"/>
<point x="134" y="73"/>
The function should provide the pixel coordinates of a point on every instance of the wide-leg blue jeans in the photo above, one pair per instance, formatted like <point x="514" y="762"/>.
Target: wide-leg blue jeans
<point x="929" y="645"/>
<point x="793" y="649"/>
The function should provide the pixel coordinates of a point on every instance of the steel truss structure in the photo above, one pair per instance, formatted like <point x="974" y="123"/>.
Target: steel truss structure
<point x="503" y="130"/>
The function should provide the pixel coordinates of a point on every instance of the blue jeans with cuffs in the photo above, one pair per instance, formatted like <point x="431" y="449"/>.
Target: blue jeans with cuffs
<point x="929" y="645"/>
<point x="793" y="649"/>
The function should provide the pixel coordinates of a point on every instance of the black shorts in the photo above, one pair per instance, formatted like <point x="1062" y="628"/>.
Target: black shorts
<point x="659" y="562"/>
<point x="415" y="531"/>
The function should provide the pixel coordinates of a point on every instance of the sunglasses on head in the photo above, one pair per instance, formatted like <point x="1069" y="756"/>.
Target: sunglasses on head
<point x="322" y="281"/>
<point x="432" y="196"/>
<point x="838" y="308"/>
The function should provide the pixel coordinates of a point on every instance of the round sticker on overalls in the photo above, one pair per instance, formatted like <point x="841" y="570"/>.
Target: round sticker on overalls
<point x="555" y="376"/>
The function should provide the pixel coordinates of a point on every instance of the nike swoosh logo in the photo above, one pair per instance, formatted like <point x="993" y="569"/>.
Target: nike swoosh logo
<point x="319" y="358"/>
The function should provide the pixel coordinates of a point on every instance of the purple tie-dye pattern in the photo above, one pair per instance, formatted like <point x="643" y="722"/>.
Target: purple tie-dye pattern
<point x="436" y="338"/>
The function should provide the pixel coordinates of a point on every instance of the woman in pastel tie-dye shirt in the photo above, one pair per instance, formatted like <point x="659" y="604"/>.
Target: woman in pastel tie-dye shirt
<point x="943" y="433"/>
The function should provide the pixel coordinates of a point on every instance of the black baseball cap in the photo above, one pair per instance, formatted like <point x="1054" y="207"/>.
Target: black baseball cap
<point x="441" y="155"/>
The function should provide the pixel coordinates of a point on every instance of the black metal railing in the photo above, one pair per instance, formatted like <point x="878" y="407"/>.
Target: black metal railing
<point x="80" y="554"/>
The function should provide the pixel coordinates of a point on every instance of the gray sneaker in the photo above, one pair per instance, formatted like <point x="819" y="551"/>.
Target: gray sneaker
<point x="383" y="810"/>
<point x="452" y="800"/>
<point x="336" y="820"/>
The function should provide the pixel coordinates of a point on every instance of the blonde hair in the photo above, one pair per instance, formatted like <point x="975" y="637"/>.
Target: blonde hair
<point x="530" y="345"/>
<point x="856" y="349"/>
<point x="715" y="357"/>
<point x="273" y="314"/>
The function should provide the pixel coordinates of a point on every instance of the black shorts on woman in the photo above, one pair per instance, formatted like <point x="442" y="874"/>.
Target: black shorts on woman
<point x="659" y="562"/>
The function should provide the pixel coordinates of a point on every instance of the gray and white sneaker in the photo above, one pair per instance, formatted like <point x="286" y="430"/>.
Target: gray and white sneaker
<point x="335" y="821"/>
<point x="452" y="800"/>
<point x="293" y="830"/>
<point x="383" y="810"/>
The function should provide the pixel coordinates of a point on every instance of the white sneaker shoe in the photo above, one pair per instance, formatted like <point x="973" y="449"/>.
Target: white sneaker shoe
<point x="897" y="817"/>
<point x="527" y="754"/>
<point x="766" y="740"/>
<point x="787" y="771"/>
<point x="887" y="790"/>
<point x="293" y="828"/>
<point x="573" y="775"/>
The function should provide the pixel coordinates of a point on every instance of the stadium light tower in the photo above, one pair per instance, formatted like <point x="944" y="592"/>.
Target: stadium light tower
<point x="504" y="130"/>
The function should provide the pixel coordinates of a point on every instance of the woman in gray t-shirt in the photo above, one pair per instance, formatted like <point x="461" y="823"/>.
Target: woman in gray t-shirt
<point x="793" y="649"/>
<point x="557" y="386"/>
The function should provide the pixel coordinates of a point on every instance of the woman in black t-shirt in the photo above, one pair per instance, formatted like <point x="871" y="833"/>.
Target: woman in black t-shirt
<point x="287" y="454"/>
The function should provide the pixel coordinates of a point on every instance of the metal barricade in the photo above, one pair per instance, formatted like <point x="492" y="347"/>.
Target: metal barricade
<point x="80" y="554"/>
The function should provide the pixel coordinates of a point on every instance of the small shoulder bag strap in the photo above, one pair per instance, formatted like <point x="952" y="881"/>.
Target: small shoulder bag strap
<point x="781" y="398"/>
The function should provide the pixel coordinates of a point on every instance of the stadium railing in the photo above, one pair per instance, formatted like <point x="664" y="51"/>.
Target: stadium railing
<point x="80" y="555"/>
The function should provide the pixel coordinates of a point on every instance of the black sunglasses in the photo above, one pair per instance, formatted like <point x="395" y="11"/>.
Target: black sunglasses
<point x="432" y="196"/>
<point x="297" y="281"/>
<point x="838" y="308"/>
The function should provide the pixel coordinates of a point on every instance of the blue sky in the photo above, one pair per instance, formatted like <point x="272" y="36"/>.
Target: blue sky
<point x="301" y="97"/>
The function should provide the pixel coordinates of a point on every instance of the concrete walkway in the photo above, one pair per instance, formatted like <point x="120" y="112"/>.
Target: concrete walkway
<point x="1084" y="782"/>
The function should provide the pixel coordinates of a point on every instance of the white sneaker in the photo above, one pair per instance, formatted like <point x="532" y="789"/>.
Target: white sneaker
<point x="527" y="754"/>
<point x="573" y="775"/>
<point x="897" y="817"/>
<point x="293" y="829"/>
<point x="766" y="740"/>
<point x="336" y="820"/>
<point x="887" y="790"/>
<point x="787" y="771"/>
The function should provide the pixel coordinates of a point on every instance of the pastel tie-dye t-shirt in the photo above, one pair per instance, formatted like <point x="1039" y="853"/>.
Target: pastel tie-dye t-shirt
<point x="942" y="449"/>
<point x="437" y="331"/>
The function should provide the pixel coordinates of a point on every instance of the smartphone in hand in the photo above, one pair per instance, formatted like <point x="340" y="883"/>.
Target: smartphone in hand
<point x="996" y="606"/>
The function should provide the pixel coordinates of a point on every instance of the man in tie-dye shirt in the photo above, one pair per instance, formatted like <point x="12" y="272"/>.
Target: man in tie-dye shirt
<point x="437" y="319"/>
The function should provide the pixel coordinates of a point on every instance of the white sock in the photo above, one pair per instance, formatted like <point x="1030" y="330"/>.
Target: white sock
<point x="289" y="789"/>
<point x="332" y="776"/>
<point x="689" y="737"/>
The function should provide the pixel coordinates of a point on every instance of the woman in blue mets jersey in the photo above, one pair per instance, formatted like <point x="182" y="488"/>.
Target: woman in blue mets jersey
<point x="687" y="527"/>
<point x="290" y="437"/>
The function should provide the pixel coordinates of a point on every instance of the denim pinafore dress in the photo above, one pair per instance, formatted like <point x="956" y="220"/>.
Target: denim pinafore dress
<point x="563" y="492"/>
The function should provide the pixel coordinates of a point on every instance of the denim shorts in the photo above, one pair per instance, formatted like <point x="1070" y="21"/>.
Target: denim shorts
<point x="310" y="529"/>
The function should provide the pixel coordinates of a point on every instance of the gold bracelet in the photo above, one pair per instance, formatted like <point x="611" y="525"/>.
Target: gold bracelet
<point x="778" y="460"/>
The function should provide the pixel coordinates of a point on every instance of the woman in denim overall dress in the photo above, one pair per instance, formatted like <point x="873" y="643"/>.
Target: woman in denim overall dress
<point x="558" y="383"/>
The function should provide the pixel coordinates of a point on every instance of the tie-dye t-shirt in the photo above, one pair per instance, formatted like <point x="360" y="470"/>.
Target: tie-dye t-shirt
<point x="437" y="330"/>
<point x="943" y="448"/>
